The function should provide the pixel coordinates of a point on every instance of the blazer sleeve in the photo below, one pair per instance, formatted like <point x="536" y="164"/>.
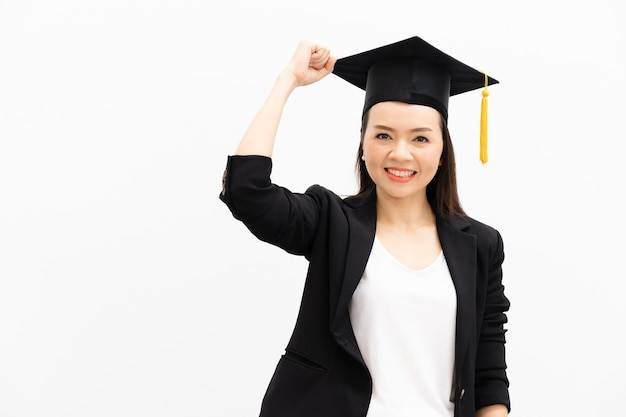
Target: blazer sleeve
<point x="272" y="213"/>
<point x="491" y="383"/>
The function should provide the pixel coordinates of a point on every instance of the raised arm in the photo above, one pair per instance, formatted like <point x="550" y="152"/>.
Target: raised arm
<point x="310" y="63"/>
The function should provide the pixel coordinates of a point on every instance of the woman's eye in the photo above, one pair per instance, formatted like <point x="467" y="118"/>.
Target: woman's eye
<point x="383" y="136"/>
<point x="421" y="139"/>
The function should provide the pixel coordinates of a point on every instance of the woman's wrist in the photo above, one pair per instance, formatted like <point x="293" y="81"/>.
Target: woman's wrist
<point x="286" y="80"/>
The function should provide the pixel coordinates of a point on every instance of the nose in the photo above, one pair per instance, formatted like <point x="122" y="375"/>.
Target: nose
<point x="401" y="150"/>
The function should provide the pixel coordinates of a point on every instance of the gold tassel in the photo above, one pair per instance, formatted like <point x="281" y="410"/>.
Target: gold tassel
<point x="483" y="124"/>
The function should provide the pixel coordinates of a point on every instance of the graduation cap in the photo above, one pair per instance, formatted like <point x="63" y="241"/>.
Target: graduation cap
<point x="413" y="71"/>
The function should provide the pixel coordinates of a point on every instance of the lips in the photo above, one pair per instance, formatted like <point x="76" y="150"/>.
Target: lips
<point x="400" y="172"/>
<point x="400" y="175"/>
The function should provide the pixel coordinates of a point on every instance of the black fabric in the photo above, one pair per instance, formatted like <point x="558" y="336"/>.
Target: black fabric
<point x="322" y="372"/>
<point x="409" y="68"/>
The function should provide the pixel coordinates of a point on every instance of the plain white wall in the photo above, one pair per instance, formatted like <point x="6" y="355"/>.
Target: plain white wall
<point x="127" y="288"/>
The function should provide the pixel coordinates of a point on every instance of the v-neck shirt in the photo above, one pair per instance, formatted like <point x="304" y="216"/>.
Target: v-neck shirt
<point x="404" y="322"/>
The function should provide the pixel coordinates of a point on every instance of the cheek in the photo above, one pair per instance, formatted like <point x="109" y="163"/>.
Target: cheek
<point x="369" y="151"/>
<point x="439" y="157"/>
<point x="430" y="153"/>
<point x="438" y="154"/>
<point x="431" y="161"/>
<point x="370" y="157"/>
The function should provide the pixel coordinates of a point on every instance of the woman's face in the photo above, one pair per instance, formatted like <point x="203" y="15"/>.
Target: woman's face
<point x="402" y="148"/>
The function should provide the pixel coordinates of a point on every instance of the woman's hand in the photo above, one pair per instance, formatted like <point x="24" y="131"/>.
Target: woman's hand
<point x="496" y="410"/>
<point x="310" y="63"/>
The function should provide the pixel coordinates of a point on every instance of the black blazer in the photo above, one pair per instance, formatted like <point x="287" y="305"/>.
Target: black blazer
<point x="322" y="373"/>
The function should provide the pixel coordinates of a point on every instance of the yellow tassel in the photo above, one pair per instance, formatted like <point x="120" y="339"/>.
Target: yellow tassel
<point x="483" y="124"/>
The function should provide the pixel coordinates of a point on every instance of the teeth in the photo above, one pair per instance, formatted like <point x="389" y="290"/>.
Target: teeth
<point x="399" y="173"/>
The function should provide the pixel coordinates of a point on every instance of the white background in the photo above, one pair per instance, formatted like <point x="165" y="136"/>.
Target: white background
<point x="128" y="289"/>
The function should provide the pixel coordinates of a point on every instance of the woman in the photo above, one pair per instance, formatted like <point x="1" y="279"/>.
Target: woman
<point x="403" y="309"/>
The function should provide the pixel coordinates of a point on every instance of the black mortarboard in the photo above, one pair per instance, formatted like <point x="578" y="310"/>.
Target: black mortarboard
<point x="413" y="71"/>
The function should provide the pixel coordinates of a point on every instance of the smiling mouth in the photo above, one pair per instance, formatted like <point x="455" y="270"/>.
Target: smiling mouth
<point x="401" y="173"/>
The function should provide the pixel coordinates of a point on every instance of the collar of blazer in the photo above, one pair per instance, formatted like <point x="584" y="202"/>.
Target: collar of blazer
<point x="459" y="248"/>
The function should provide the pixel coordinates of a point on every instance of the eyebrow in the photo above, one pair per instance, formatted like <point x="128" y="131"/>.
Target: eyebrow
<point x="417" y="129"/>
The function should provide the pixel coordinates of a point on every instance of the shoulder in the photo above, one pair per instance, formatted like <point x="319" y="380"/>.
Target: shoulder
<point x="488" y="239"/>
<point x="485" y="234"/>
<point x="482" y="229"/>
<point x="324" y="195"/>
<point x="322" y="192"/>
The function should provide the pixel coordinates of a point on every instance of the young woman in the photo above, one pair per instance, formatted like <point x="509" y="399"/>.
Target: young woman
<point x="403" y="310"/>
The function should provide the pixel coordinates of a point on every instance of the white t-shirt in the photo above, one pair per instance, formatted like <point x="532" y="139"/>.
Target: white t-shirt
<point x="405" y="322"/>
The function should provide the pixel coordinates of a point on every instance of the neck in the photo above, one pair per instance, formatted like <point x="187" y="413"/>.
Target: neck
<point x="404" y="212"/>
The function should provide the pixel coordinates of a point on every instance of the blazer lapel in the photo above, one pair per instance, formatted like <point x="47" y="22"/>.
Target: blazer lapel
<point x="460" y="248"/>
<point x="362" y="221"/>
